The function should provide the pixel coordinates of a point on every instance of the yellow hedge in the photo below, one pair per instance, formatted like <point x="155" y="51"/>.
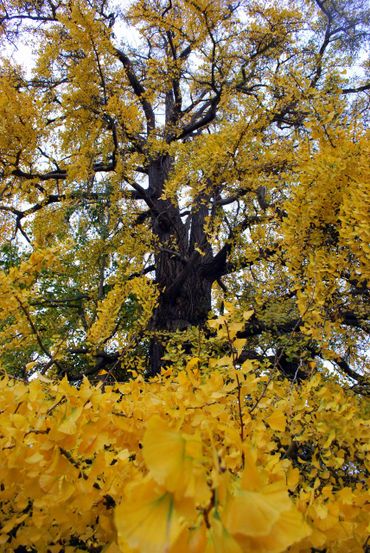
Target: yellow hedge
<point x="224" y="461"/>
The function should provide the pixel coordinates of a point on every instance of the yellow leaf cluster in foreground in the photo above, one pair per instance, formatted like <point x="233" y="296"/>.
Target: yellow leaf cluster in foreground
<point x="226" y="461"/>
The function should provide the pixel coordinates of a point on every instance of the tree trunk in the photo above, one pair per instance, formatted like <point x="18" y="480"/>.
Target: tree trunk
<point x="188" y="307"/>
<point x="185" y="291"/>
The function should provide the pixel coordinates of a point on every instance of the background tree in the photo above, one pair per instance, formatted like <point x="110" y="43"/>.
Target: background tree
<point x="162" y="159"/>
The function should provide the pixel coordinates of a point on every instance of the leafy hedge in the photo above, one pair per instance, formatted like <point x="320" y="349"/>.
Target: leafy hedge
<point x="221" y="460"/>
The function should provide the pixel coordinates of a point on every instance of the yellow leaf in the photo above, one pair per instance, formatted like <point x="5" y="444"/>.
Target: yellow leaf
<point x="235" y="327"/>
<point x="251" y="478"/>
<point x="191" y="540"/>
<point x="173" y="460"/>
<point x="250" y="513"/>
<point x="289" y="529"/>
<point x="194" y="362"/>
<point x="164" y="452"/>
<point x="229" y="306"/>
<point x="239" y="343"/>
<point x="202" y="253"/>
<point x="293" y="478"/>
<point x="248" y="314"/>
<point x="329" y="439"/>
<point x="69" y="425"/>
<point x="277" y="421"/>
<point x="346" y="496"/>
<point x="35" y="458"/>
<point x="30" y="365"/>
<point x="220" y="540"/>
<point x="149" y="521"/>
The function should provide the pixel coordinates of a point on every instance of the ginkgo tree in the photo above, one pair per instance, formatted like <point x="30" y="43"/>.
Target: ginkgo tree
<point x="163" y="158"/>
<point x="184" y="207"/>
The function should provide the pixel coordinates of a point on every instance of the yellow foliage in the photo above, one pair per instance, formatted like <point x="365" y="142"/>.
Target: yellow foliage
<point x="152" y="466"/>
<point x="159" y="161"/>
<point x="327" y="228"/>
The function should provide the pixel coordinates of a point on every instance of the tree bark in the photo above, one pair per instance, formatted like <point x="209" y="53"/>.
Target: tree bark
<point x="185" y="290"/>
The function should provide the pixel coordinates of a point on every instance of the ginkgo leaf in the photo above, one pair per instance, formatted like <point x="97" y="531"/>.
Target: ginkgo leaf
<point x="191" y="540"/>
<point x="69" y="424"/>
<point x="251" y="478"/>
<point x="330" y="438"/>
<point x="164" y="452"/>
<point x="173" y="458"/>
<point x="293" y="478"/>
<point x="248" y="314"/>
<point x="149" y="522"/>
<point x="30" y="366"/>
<point x="290" y="528"/>
<point x="37" y="457"/>
<point x="277" y="420"/>
<point x="220" y="540"/>
<point x="286" y="531"/>
<point x="250" y="513"/>
<point x="194" y="362"/>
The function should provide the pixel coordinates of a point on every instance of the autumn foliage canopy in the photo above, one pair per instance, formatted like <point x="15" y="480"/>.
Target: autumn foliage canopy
<point x="184" y="267"/>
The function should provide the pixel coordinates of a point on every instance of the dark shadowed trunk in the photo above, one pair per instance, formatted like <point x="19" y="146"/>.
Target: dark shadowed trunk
<point x="183" y="250"/>
<point x="189" y="306"/>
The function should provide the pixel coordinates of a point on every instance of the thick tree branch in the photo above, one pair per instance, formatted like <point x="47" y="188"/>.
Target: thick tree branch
<point x="201" y="122"/>
<point x="356" y="89"/>
<point x="51" y="199"/>
<point x="61" y="174"/>
<point x="138" y="89"/>
<point x="344" y="366"/>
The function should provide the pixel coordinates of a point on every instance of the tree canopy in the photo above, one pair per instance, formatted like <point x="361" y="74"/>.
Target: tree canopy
<point x="162" y="159"/>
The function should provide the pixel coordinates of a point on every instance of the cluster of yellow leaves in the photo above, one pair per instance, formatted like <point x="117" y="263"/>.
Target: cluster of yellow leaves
<point x="18" y="118"/>
<point x="188" y="16"/>
<point x="16" y="288"/>
<point x="108" y="312"/>
<point x="327" y="231"/>
<point x="224" y="461"/>
<point x="80" y="44"/>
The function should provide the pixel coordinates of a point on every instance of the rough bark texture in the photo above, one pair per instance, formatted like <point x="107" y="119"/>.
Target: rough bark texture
<point x="185" y="285"/>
